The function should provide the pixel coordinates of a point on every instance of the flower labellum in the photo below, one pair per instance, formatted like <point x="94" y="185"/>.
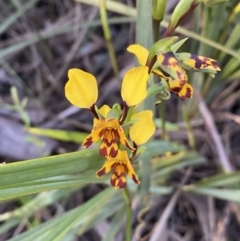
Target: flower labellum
<point x="120" y="167"/>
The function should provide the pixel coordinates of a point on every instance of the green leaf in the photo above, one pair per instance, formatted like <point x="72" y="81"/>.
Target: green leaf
<point x="48" y="173"/>
<point x="177" y="45"/>
<point x="62" y="135"/>
<point x="12" y="219"/>
<point x="156" y="148"/>
<point x="212" y="3"/>
<point x="84" y="217"/>
<point x="168" y="125"/>
<point x="40" y="185"/>
<point x="166" y="165"/>
<point x="182" y="8"/>
<point x="161" y="46"/>
<point x="225" y="194"/>
<point x="115" y="225"/>
<point x="61" y="171"/>
<point x="223" y="179"/>
<point x="144" y="22"/>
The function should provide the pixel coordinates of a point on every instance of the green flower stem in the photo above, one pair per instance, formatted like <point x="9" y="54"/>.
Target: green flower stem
<point x="144" y="37"/>
<point x="127" y="199"/>
<point x="158" y="11"/>
<point x="155" y="26"/>
<point x="163" y="120"/>
<point x="191" y="139"/>
<point x="206" y="86"/>
<point x="107" y="35"/>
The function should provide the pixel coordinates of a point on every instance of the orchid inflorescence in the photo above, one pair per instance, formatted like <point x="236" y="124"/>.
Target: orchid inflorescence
<point x="122" y="130"/>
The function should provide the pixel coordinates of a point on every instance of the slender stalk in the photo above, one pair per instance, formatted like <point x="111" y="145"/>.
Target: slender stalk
<point x="158" y="12"/>
<point x="107" y="35"/>
<point x="128" y="229"/>
<point x="191" y="139"/>
<point x="144" y="36"/>
<point x="155" y="26"/>
<point x="163" y="120"/>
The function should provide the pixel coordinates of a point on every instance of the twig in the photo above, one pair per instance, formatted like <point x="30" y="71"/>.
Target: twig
<point x="161" y="225"/>
<point x="212" y="130"/>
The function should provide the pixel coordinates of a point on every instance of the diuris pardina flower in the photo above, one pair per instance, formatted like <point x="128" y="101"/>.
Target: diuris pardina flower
<point x="82" y="91"/>
<point x="142" y="73"/>
<point x="111" y="133"/>
<point x="198" y="63"/>
<point x="174" y="64"/>
<point x="120" y="167"/>
<point x="121" y="164"/>
<point x="178" y="85"/>
<point x="178" y="81"/>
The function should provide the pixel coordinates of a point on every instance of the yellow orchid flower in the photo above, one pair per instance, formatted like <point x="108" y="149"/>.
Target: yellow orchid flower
<point x="110" y="136"/>
<point x="169" y="63"/>
<point x="81" y="90"/>
<point x="120" y="167"/>
<point x="106" y="128"/>
<point x="178" y="84"/>
<point x="111" y="133"/>
<point x="136" y="78"/>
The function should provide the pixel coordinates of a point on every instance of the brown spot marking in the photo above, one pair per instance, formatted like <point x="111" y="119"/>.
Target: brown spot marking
<point x="122" y="182"/>
<point x="118" y="181"/>
<point x="134" y="178"/>
<point x="88" y="142"/>
<point x="188" y="93"/>
<point x="202" y="62"/>
<point x="101" y="172"/>
<point x="113" y="152"/>
<point x="103" y="151"/>
<point x="169" y="59"/>
<point x="175" y="89"/>
<point x="109" y="136"/>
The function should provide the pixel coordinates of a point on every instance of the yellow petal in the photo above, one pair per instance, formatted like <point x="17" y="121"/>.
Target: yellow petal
<point x="104" y="110"/>
<point x="140" y="52"/>
<point x="81" y="89"/>
<point x="134" y="85"/>
<point x="144" y="128"/>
